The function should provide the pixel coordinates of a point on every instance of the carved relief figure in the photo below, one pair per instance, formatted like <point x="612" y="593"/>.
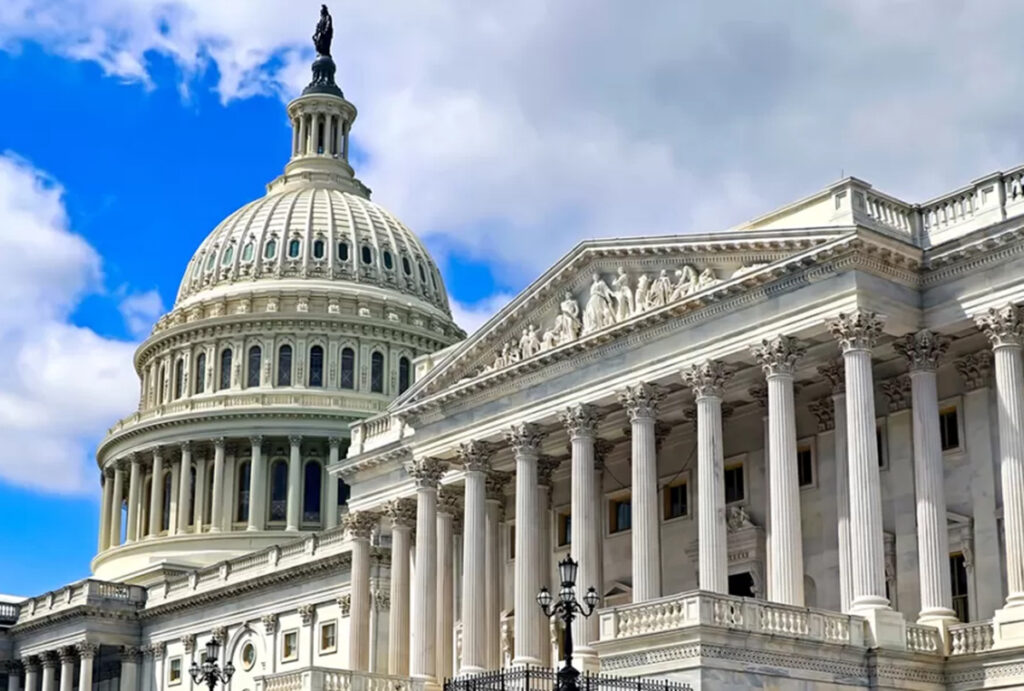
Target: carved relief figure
<point x="623" y="295"/>
<point x="660" y="292"/>
<point x="640" y="298"/>
<point x="706" y="279"/>
<point x="567" y="323"/>
<point x="686" y="283"/>
<point x="529" y="344"/>
<point x="599" y="308"/>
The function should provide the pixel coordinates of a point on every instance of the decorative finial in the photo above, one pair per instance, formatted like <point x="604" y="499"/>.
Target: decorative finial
<point x="323" y="66"/>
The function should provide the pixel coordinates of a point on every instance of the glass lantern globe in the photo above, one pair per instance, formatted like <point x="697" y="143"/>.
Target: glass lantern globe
<point x="567" y="569"/>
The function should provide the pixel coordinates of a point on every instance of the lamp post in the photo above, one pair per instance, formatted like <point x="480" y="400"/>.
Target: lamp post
<point x="567" y="609"/>
<point x="209" y="672"/>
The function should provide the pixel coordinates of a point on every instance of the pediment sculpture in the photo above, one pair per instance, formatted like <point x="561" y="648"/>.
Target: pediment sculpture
<point x="606" y="306"/>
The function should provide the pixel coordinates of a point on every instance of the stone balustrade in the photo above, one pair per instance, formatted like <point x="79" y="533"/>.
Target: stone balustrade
<point x="699" y="608"/>
<point x="8" y="612"/>
<point x="82" y="593"/>
<point x="323" y="679"/>
<point x="968" y="639"/>
<point x="378" y="431"/>
<point x="924" y="639"/>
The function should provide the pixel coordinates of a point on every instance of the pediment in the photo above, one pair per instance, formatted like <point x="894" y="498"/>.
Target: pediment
<point x="604" y="289"/>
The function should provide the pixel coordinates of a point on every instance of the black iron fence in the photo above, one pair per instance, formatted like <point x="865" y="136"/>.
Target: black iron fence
<point x="543" y="679"/>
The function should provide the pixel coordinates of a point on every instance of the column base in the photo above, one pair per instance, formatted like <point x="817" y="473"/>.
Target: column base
<point x="585" y="659"/>
<point x="1008" y="625"/>
<point x="525" y="661"/>
<point x="886" y="627"/>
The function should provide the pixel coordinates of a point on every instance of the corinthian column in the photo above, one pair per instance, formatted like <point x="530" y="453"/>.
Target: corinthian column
<point x="641" y="404"/>
<point x="358" y="524"/>
<point x="402" y="513"/>
<point x="474" y="457"/>
<point x="581" y="423"/>
<point x="707" y="381"/>
<point x="49" y="671"/>
<point x="156" y="494"/>
<point x="67" y="668"/>
<point x="107" y="477"/>
<point x="525" y="441"/>
<point x="448" y="507"/>
<point x="427" y="473"/>
<point x="546" y="467"/>
<point x="117" y="504"/>
<point x="334" y="451"/>
<point x="217" y="499"/>
<point x="495" y="513"/>
<point x="134" y="499"/>
<point x="835" y="375"/>
<point x="257" y="485"/>
<point x="294" y="508"/>
<point x="32" y="674"/>
<point x="1005" y="330"/>
<point x="857" y="333"/>
<point x="86" y="656"/>
<point x="778" y="357"/>
<point x="923" y="351"/>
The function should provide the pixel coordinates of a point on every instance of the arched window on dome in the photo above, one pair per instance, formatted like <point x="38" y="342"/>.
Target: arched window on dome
<point x="201" y="373"/>
<point x="367" y="254"/>
<point x="377" y="372"/>
<point x="284" y="365"/>
<point x="404" y="374"/>
<point x="318" y="249"/>
<point x="406" y="266"/>
<point x="160" y="385"/>
<point x="270" y="249"/>
<point x="433" y="281"/>
<point x="343" y="251"/>
<point x="423" y="274"/>
<point x="242" y="495"/>
<point x="225" y="369"/>
<point x="179" y="378"/>
<point x="247" y="252"/>
<point x="294" y="248"/>
<point x="348" y="368"/>
<point x="229" y="254"/>
<point x="252" y="377"/>
<point x="165" y="518"/>
<point x="278" y="491"/>
<point x="311" y="484"/>
<point x="316" y="366"/>
<point x="210" y="260"/>
<point x="389" y="261"/>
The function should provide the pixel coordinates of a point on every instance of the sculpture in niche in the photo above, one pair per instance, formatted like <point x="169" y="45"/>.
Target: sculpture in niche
<point x="598" y="313"/>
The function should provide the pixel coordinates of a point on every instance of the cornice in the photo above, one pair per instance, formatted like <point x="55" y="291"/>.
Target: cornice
<point x="968" y="255"/>
<point x="72" y="613"/>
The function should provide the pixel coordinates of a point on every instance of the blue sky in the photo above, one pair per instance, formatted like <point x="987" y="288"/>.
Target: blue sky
<point x="501" y="134"/>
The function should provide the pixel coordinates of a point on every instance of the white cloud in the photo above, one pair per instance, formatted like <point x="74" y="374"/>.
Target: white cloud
<point x="471" y="316"/>
<point x="140" y="311"/>
<point x="64" y="384"/>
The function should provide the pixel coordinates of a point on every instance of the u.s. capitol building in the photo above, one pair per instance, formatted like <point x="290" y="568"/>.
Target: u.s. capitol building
<point x="787" y="455"/>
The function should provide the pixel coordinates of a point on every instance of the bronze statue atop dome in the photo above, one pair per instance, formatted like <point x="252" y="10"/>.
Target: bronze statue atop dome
<point x="324" y="33"/>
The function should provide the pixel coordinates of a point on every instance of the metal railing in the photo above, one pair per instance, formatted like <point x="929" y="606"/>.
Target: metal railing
<point x="544" y="679"/>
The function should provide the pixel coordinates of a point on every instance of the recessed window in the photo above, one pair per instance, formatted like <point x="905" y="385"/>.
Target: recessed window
<point x="958" y="581"/>
<point x="289" y="646"/>
<point x="252" y="377"/>
<point x="563" y="526"/>
<point x="312" y="476"/>
<point x="174" y="671"/>
<point x="377" y="373"/>
<point x="328" y="637"/>
<point x="676" y="500"/>
<point x="242" y="499"/>
<point x="271" y="249"/>
<point x="734" y="486"/>
<point x="229" y="254"/>
<point x="294" y="248"/>
<point x="404" y="374"/>
<point x="805" y="465"/>
<point x="389" y="261"/>
<point x="881" y="447"/>
<point x="284" y="365"/>
<point x="248" y="656"/>
<point x="620" y="514"/>
<point x="210" y="260"/>
<point x="316" y="366"/>
<point x="512" y="541"/>
<point x="348" y="368"/>
<point x="247" y="252"/>
<point x="367" y="254"/>
<point x="343" y="251"/>
<point x="318" y="249"/>
<point x="279" y="490"/>
<point x="201" y="373"/>
<point x="949" y="428"/>
<point x="406" y="266"/>
<point x="179" y="378"/>
<point x="423" y="274"/>
<point x="225" y="368"/>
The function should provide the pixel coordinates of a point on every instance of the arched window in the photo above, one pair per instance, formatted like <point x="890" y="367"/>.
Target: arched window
<point x="404" y="374"/>
<point x="318" y="249"/>
<point x="423" y="274"/>
<point x="201" y="373"/>
<point x="311" y="492"/>
<point x="255" y="358"/>
<point x="242" y="483"/>
<point x="225" y="368"/>
<point x="343" y="251"/>
<point x="389" y="261"/>
<point x="316" y="366"/>
<point x="247" y="252"/>
<point x="165" y="519"/>
<point x="377" y="373"/>
<point x="179" y="378"/>
<point x="210" y="260"/>
<point x="279" y="491"/>
<point x="284" y="365"/>
<point x="270" y="249"/>
<point x="348" y="368"/>
<point x="229" y="254"/>
<point x="294" y="247"/>
<point x="367" y="254"/>
<point x="406" y="266"/>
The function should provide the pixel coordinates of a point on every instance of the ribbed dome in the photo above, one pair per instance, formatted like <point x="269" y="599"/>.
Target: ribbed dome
<point x="316" y="233"/>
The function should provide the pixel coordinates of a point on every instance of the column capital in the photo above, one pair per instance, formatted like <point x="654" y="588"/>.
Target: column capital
<point x="107" y="472"/>
<point x="67" y="655"/>
<point x="295" y="439"/>
<point x="219" y="634"/>
<point x="345" y="605"/>
<point x="131" y="653"/>
<point x="1003" y="326"/>
<point x="256" y="440"/>
<point x="158" y="649"/>
<point x="87" y="650"/>
<point x="857" y="330"/>
<point x="449" y="501"/>
<point x="157" y="451"/>
<point x="546" y="466"/>
<point x="897" y="392"/>
<point x="707" y="380"/>
<point x="524" y="437"/>
<point x="975" y="369"/>
<point x="219" y="443"/>
<point x="13" y="667"/>
<point x="475" y="455"/>
<point x="401" y="512"/>
<point x="48" y="659"/>
<point x="334" y="442"/>
<point x="306" y="613"/>
<point x="641" y="400"/>
<point x="269" y="622"/>
<point x="823" y="410"/>
<point x="495" y="483"/>
<point x="135" y="458"/>
<point x="778" y="355"/>
<point x="835" y="373"/>
<point x="188" y="641"/>
<point x="580" y="420"/>
<point x="359" y="524"/>
<point x="923" y="350"/>
<point x="427" y="471"/>
<point x="185" y="447"/>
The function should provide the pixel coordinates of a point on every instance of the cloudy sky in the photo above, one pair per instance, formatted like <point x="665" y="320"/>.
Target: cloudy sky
<point x="502" y="133"/>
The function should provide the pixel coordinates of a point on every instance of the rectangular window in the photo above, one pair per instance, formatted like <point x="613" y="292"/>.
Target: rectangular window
<point x="949" y="428"/>
<point x="734" y="489"/>
<point x="174" y="671"/>
<point x="880" y="446"/>
<point x="805" y="465"/>
<point x="289" y="646"/>
<point x="328" y="637"/>
<point x="512" y="542"/>
<point x="564" y="527"/>
<point x="620" y="514"/>
<point x="958" y="581"/>
<point x="677" y="500"/>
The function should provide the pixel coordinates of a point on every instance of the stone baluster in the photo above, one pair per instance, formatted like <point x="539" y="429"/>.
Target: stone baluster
<point x="134" y="498"/>
<point x="107" y="477"/>
<point x="402" y="513"/>
<point x="217" y="500"/>
<point x="449" y="506"/>
<point x="156" y="494"/>
<point x="475" y="457"/>
<point x="294" y="509"/>
<point x="778" y="357"/>
<point x="358" y="525"/>
<point x="86" y="656"/>
<point x="257" y="485"/>
<point x="641" y="404"/>
<point x="427" y="474"/>
<point x="834" y="373"/>
<point x="525" y="442"/>
<point x="185" y="488"/>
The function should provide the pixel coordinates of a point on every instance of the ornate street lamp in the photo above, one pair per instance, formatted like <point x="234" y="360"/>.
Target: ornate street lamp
<point x="209" y="673"/>
<point x="567" y="608"/>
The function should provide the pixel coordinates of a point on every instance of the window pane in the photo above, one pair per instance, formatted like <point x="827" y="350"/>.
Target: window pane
<point x="733" y="484"/>
<point x="805" y="466"/>
<point x="243" y="491"/>
<point x="318" y="249"/>
<point x="165" y="518"/>
<point x="225" y="369"/>
<point x="201" y="373"/>
<point x="404" y="374"/>
<point x="406" y="266"/>
<point x="294" y="247"/>
<point x="389" y="262"/>
<point x="367" y="255"/>
<point x="377" y="373"/>
<point x="949" y="429"/>
<point x="179" y="377"/>
<point x="348" y="368"/>
<point x="343" y="251"/>
<point x="316" y="366"/>
<point x="279" y="491"/>
<point x="255" y="356"/>
<point x="271" y="249"/>
<point x="284" y="366"/>
<point x="311" y="493"/>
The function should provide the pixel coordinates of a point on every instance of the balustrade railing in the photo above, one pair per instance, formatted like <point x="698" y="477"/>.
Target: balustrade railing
<point x="924" y="639"/>
<point x="966" y="639"/>
<point x="8" y="612"/>
<point x="543" y="679"/>
<point x="85" y="592"/>
<point x="323" y="679"/>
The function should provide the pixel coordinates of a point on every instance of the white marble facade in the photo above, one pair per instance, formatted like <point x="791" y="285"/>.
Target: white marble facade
<point x="787" y="455"/>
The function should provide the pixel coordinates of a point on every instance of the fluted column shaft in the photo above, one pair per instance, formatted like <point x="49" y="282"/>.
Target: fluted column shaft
<point x="359" y="525"/>
<point x="217" y="505"/>
<point x="842" y="502"/>
<point x="86" y="655"/>
<point x="257" y="485"/>
<point x="67" y="670"/>
<point x="13" y="678"/>
<point x="492" y="589"/>
<point x="134" y="500"/>
<point x="294" y="509"/>
<point x="640" y="402"/>
<point x="332" y="485"/>
<point x="526" y="440"/>
<point x="156" y="494"/>
<point x="474" y="646"/>
<point x="545" y="468"/>
<point x="49" y="673"/>
<point x="423" y="660"/>
<point x="201" y="495"/>
<point x="712" y="546"/>
<point x="398" y="626"/>
<point x="105" y="511"/>
<point x="31" y="677"/>
<point x="185" y="488"/>
<point x="445" y="592"/>
<point x="116" y="506"/>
